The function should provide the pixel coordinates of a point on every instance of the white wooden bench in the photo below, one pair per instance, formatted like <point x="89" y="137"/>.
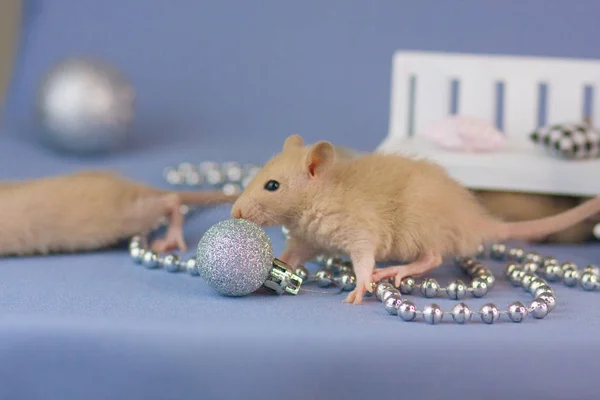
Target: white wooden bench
<point x="422" y="93"/>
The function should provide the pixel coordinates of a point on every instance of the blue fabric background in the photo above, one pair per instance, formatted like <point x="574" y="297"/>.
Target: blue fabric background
<point x="229" y="80"/>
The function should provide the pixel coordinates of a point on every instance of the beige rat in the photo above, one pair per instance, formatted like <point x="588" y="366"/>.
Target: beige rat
<point x="90" y="210"/>
<point x="377" y="208"/>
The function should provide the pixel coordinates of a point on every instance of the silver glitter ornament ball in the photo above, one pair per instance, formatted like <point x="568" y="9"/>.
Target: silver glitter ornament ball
<point x="85" y="106"/>
<point x="235" y="257"/>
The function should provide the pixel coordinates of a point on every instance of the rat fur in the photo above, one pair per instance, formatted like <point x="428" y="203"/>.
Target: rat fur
<point x="89" y="210"/>
<point x="378" y="208"/>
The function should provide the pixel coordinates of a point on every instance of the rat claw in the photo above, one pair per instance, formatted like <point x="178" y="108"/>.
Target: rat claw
<point x="398" y="273"/>
<point x="356" y="296"/>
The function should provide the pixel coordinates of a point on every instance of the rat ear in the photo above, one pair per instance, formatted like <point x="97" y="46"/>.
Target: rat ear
<point x="293" y="141"/>
<point x="319" y="158"/>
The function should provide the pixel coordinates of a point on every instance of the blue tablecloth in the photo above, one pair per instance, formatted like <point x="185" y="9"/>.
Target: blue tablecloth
<point x="96" y="326"/>
<point x="229" y="80"/>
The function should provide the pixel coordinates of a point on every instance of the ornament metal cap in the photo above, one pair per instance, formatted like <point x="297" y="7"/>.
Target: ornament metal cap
<point x="282" y="279"/>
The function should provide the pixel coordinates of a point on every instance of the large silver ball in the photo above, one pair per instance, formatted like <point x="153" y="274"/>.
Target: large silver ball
<point x="85" y="106"/>
<point x="235" y="257"/>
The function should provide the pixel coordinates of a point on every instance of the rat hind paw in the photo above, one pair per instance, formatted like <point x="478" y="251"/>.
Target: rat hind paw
<point x="356" y="296"/>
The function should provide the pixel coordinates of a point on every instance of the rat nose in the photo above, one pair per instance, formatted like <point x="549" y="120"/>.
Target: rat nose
<point x="236" y="212"/>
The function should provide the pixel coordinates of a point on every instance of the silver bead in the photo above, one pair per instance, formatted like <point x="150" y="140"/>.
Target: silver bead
<point x="527" y="279"/>
<point x="480" y="252"/>
<point x="568" y="265"/>
<point x="214" y="177"/>
<point x="407" y="285"/>
<point x="324" y="277"/>
<point x="430" y="287"/>
<point x="346" y="266"/>
<point x="301" y="272"/>
<point x="137" y="253"/>
<point x="489" y="279"/>
<point x="570" y="277"/>
<point x="233" y="171"/>
<point x="407" y="310"/>
<point x="456" y="290"/>
<point x="432" y="314"/>
<point x="589" y="281"/>
<point x="550" y="261"/>
<point x="543" y="289"/>
<point x="333" y="263"/>
<point x="461" y="313"/>
<point x="479" y="287"/>
<point x="592" y="269"/>
<point x="553" y="272"/>
<point x="320" y="259"/>
<point x="231" y="189"/>
<point x="387" y="293"/>
<point x="479" y="270"/>
<point x="489" y="313"/>
<point x="535" y="283"/>
<point x="549" y="299"/>
<point x="510" y="267"/>
<point x="516" y="277"/>
<point x="392" y="303"/>
<point x="193" y="178"/>
<point x="381" y="288"/>
<point x="539" y="308"/>
<point x="498" y="252"/>
<point x="150" y="259"/>
<point x="206" y="166"/>
<point x="534" y="257"/>
<point x="136" y="242"/>
<point x="531" y="267"/>
<point x="516" y="254"/>
<point x="347" y="281"/>
<point x="191" y="267"/>
<point x="172" y="176"/>
<point x="469" y="263"/>
<point x="517" y="311"/>
<point x="171" y="262"/>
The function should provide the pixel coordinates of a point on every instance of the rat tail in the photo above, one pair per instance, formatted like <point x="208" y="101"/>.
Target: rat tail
<point x="201" y="198"/>
<point x="535" y="229"/>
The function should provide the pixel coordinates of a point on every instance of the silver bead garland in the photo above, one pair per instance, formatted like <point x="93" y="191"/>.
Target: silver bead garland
<point x="528" y="270"/>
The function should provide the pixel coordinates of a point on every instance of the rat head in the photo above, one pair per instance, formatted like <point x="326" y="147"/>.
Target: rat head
<point x="286" y="184"/>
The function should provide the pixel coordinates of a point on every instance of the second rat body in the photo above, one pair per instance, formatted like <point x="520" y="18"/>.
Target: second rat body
<point x="377" y="208"/>
<point x="89" y="210"/>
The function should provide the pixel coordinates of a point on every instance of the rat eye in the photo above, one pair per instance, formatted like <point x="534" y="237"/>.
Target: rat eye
<point x="272" y="186"/>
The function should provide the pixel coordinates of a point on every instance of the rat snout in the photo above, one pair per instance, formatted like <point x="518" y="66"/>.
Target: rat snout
<point x="236" y="211"/>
